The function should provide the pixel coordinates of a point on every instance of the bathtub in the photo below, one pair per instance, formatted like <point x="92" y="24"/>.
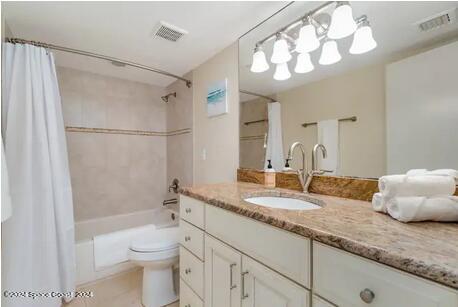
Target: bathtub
<point x="86" y="230"/>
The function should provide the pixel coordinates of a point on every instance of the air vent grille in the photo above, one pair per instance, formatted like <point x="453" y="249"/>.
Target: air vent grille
<point x="437" y="21"/>
<point x="169" y="32"/>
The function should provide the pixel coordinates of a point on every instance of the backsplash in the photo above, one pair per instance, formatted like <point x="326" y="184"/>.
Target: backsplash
<point x="346" y="187"/>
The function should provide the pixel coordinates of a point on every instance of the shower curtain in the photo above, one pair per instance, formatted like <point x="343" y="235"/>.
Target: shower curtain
<point x="38" y="244"/>
<point x="274" y="150"/>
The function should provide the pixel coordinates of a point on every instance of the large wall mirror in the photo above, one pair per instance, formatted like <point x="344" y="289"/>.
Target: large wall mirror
<point x="375" y="82"/>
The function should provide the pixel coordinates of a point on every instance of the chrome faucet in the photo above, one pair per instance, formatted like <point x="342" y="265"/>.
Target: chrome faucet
<point x="315" y="170"/>
<point x="302" y="173"/>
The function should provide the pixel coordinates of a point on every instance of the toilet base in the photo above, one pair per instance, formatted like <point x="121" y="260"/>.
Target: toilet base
<point x="158" y="287"/>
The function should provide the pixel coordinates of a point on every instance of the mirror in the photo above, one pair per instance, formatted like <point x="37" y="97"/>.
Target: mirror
<point x="387" y="104"/>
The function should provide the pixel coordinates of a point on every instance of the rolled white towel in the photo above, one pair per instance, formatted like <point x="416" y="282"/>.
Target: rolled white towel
<point x="415" y="209"/>
<point x="403" y="185"/>
<point x="437" y="172"/>
<point x="417" y="171"/>
<point x="379" y="202"/>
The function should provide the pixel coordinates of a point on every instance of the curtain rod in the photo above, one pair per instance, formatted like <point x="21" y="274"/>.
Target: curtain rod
<point x="347" y="119"/>
<point x="98" y="56"/>
<point x="258" y="95"/>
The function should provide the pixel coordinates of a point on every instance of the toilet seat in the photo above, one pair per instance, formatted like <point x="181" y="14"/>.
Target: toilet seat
<point x="156" y="245"/>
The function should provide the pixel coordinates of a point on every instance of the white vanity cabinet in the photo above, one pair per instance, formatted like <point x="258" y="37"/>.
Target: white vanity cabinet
<point x="228" y="260"/>
<point x="223" y="267"/>
<point x="262" y="287"/>
<point x="348" y="280"/>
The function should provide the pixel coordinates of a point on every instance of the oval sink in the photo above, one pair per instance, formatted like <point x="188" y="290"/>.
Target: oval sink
<point x="282" y="203"/>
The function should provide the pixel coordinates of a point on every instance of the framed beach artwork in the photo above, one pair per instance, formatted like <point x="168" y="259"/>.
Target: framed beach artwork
<point x="217" y="98"/>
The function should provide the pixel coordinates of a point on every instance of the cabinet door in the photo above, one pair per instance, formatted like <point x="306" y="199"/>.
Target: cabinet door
<point x="222" y="274"/>
<point x="262" y="287"/>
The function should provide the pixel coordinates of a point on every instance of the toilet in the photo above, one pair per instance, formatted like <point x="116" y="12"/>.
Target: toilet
<point x="157" y="252"/>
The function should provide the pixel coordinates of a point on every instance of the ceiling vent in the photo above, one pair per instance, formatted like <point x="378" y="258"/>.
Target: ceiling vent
<point x="437" y="21"/>
<point x="168" y="32"/>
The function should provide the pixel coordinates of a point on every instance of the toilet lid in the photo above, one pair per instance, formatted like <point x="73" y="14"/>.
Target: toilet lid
<point x="156" y="240"/>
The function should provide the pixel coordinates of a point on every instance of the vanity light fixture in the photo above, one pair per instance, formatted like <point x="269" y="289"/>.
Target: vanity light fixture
<point x="329" y="53"/>
<point x="307" y="41"/>
<point x="304" y="63"/>
<point x="282" y="72"/>
<point x="363" y="41"/>
<point x="342" y="22"/>
<point x="259" y="60"/>
<point x="310" y="29"/>
<point x="280" y="52"/>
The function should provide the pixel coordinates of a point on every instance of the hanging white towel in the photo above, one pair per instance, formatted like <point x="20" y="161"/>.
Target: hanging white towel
<point x="415" y="209"/>
<point x="6" y="196"/>
<point x="403" y="185"/>
<point x="328" y="135"/>
<point x="112" y="248"/>
<point x="274" y="150"/>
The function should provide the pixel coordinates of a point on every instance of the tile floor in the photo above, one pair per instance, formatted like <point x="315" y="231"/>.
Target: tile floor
<point x="123" y="290"/>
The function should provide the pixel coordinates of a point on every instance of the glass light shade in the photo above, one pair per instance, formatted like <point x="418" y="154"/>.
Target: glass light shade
<point x="307" y="41"/>
<point x="304" y="63"/>
<point x="329" y="53"/>
<point x="282" y="72"/>
<point x="342" y="22"/>
<point x="363" y="41"/>
<point x="280" y="53"/>
<point x="259" y="63"/>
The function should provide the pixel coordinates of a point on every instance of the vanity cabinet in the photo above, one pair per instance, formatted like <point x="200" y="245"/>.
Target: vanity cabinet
<point x="228" y="260"/>
<point x="262" y="287"/>
<point x="348" y="280"/>
<point x="223" y="267"/>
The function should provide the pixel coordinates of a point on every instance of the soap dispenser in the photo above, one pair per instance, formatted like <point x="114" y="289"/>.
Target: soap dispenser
<point x="287" y="168"/>
<point x="269" y="176"/>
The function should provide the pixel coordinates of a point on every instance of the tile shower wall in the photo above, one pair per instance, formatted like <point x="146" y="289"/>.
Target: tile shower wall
<point x="179" y="147"/>
<point x="113" y="174"/>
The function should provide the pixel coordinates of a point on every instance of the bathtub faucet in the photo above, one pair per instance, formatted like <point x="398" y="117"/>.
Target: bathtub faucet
<point x="175" y="186"/>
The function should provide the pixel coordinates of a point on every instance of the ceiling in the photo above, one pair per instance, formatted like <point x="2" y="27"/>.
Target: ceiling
<point x="393" y="25"/>
<point x="124" y="30"/>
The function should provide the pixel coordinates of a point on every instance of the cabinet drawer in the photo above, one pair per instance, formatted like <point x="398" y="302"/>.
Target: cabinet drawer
<point x="192" y="238"/>
<point x="192" y="211"/>
<point x="187" y="297"/>
<point x="319" y="302"/>
<point x="347" y="280"/>
<point x="192" y="271"/>
<point x="285" y="252"/>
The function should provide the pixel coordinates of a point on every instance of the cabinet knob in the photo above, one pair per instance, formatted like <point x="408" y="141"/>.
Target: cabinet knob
<point x="367" y="296"/>
<point x="187" y="238"/>
<point x="187" y="210"/>
<point x="187" y="271"/>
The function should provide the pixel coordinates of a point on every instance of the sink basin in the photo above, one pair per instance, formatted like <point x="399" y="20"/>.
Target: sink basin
<point x="282" y="203"/>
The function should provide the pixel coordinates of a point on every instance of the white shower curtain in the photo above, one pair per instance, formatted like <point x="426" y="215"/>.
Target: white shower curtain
<point x="274" y="150"/>
<point x="38" y="244"/>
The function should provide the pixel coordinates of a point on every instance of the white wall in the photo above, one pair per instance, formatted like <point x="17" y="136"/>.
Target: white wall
<point x="422" y="111"/>
<point x="218" y="136"/>
<point x="358" y="93"/>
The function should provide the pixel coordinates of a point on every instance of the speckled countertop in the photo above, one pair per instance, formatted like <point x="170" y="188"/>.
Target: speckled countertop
<point x="426" y="249"/>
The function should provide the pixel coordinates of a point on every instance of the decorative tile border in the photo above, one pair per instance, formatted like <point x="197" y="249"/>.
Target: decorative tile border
<point x="127" y="132"/>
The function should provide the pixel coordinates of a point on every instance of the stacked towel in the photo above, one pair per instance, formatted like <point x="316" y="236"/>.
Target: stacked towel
<point x="418" y="196"/>
<point x="427" y="185"/>
<point x="438" y="172"/>
<point x="415" y="208"/>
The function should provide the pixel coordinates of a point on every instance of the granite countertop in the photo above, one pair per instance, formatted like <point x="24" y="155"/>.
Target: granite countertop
<point x="426" y="249"/>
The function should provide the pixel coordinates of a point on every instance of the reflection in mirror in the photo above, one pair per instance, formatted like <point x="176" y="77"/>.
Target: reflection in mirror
<point x="380" y="96"/>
